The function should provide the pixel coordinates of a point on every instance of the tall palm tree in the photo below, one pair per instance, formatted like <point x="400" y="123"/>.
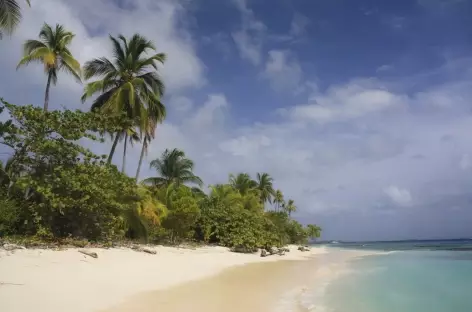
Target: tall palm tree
<point x="129" y="135"/>
<point x="242" y="182"/>
<point x="265" y="187"/>
<point x="52" y="51"/>
<point x="147" y="136"/>
<point x="173" y="167"/>
<point x="278" y="199"/>
<point x="290" y="207"/>
<point x="10" y="15"/>
<point x="129" y="83"/>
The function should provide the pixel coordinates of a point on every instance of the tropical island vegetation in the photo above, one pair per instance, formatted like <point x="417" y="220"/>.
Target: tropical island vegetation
<point x="54" y="187"/>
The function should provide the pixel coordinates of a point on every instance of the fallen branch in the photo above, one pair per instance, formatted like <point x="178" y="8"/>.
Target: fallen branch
<point x="146" y="250"/>
<point x="88" y="253"/>
<point x="13" y="284"/>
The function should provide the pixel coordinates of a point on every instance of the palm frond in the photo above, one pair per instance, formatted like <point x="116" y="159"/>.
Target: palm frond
<point x="10" y="15"/>
<point x="138" y="45"/>
<point x="32" y="45"/>
<point x="47" y="34"/>
<point x="102" y="100"/>
<point x="118" y="53"/>
<point x="154" y="81"/>
<point x="35" y="56"/>
<point x="71" y="66"/>
<point x="142" y="64"/>
<point x="98" y="67"/>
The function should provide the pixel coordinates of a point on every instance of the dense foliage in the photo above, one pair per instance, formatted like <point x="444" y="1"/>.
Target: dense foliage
<point x="53" y="187"/>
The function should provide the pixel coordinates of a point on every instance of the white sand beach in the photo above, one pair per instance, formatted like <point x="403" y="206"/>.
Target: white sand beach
<point x="57" y="281"/>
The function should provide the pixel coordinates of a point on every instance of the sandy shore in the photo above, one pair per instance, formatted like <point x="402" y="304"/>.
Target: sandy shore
<point x="281" y="286"/>
<point x="57" y="281"/>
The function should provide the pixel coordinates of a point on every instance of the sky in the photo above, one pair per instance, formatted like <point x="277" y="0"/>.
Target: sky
<point x="359" y="109"/>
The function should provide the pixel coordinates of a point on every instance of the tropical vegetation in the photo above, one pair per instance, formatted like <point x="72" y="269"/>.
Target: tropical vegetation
<point x="53" y="187"/>
<point x="10" y="16"/>
<point x="52" y="50"/>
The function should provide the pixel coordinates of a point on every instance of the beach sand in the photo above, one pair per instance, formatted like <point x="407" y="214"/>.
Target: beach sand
<point x="58" y="281"/>
<point x="257" y="287"/>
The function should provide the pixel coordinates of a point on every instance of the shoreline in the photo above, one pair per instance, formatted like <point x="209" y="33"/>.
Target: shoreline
<point x="67" y="280"/>
<point x="297" y="286"/>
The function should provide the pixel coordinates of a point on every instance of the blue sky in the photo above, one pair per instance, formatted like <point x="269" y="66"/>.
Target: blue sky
<point x="361" y="110"/>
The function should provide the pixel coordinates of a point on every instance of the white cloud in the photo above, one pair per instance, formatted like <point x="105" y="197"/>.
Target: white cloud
<point x="398" y="195"/>
<point x="181" y="104"/>
<point x="282" y="71"/>
<point x="299" y="24"/>
<point x="249" y="38"/>
<point x="92" y="21"/>
<point x="211" y="113"/>
<point x="341" y="103"/>
<point x="245" y="146"/>
<point x="249" y="48"/>
<point x="385" y="68"/>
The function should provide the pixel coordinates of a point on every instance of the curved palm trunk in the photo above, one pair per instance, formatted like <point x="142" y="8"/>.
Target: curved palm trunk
<point x="46" y="95"/>
<point x="124" y="153"/>
<point x="143" y="149"/>
<point x="113" y="148"/>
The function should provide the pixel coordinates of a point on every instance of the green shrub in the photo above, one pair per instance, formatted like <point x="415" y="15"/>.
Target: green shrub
<point x="9" y="217"/>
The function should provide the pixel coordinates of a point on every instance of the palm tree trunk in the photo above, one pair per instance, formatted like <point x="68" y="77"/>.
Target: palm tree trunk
<point x="46" y="95"/>
<point x="113" y="147"/>
<point x="124" y="153"/>
<point x="141" y="158"/>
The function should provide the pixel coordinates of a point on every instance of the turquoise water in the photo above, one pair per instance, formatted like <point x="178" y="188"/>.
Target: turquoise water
<point x="434" y="277"/>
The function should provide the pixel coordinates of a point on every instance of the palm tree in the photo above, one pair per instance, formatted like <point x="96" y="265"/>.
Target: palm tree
<point x="130" y="135"/>
<point x="227" y="195"/>
<point x="278" y="199"/>
<point x="129" y="83"/>
<point x="313" y="231"/>
<point x="10" y="15"/>
<point x="173" y="167"/>
<point x="290" y="207"/>
<point x="265" y="187"/>
<point x="147" y="136"/>
<point x="242" y="182"/>
<point x="53" y="52"/>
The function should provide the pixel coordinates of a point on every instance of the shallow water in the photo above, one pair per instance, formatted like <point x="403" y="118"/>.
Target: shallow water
<point x="425" y="279"/>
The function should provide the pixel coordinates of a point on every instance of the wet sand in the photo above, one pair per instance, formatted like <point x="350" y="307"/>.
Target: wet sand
<point x="261" y="287"/>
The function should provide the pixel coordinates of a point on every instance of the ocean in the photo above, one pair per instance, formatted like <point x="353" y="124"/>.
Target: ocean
<point x="413" y="276"/>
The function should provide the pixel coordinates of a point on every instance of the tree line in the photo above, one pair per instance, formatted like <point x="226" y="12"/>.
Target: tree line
<point x="54" y="187"/>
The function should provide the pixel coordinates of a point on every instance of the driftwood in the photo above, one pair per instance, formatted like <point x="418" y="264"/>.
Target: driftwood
<point x="303" y="248"/>
<point x="264" y="253"/>
<point x="12" y="284"/>
<point x="143" y="249"/>
<point x="272" y="251"/>
<point x="88" y="253"/>
<point x="11" y="247"/>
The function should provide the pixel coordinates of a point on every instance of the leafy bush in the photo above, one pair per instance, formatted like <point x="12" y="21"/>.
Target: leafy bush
<point x="9" y="217"/>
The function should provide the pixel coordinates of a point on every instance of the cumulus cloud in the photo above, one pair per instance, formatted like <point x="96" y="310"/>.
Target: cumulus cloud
<point x="282" y="71"/>
<point x="350" y="101"/>
<point x="92" y="21"/>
